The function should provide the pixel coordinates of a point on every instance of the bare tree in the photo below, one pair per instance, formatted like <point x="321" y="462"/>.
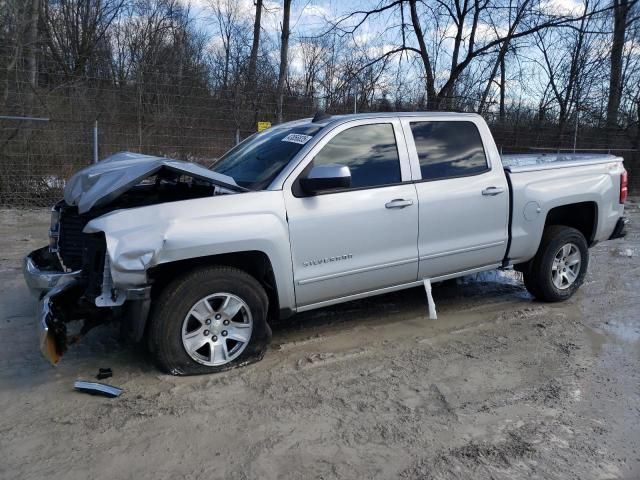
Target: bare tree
<point x="226" y="14"/>
<point x="568" y="60"/>
<point x="14" y="17"/>
<point x="513" y="23"/>
<point x="284" y="55"/>
<point x="313" y="52"/>
<point x="74" y="29"/>
<point x="32" y="50"/>
<point x="465" y="17"/>
<point x="621" y="10"/>
<point x="253" y="58"/>
<point x="424" y="54"/>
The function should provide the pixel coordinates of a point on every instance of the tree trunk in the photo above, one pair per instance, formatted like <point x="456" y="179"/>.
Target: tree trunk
<point x="225" y="74"/>
<point x="284" y="53"/>
<point x="461" y="14"/>
<point x="424" y="55"/>
<point x="636" y="141"/>
<point x="253" y="58"/>
<point x="620" y="11"/>
<point x="32" y="51"/>
<point x="499" y="63"/>
<point x="253" y="62"/>
<point x="503" y="84"/>
<point x="562" y="124"/>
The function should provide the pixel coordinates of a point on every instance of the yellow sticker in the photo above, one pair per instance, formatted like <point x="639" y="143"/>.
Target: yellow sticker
<point x="263" y="126"/>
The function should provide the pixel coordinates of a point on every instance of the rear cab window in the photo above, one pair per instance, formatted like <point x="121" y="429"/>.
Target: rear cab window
<point x="448" y="149"/>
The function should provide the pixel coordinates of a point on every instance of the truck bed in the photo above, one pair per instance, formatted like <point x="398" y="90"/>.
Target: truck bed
<point x="541" y="161"/>
<point x="540" y="183"/>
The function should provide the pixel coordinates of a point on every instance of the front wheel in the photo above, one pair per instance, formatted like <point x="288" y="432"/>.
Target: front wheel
<point x="560" y="265"/>
<point x="209" y="320"/>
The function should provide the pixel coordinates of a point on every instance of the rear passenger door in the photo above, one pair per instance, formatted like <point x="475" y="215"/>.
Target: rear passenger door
<point x="462" y="194"/>
<point x="354" y="240"/>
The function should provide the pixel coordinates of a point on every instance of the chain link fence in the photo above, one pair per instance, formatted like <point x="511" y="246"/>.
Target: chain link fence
<point x="58" y="137"/>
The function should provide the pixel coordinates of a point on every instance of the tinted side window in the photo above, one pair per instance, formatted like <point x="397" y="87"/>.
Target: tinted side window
<point x="369" y="151"/>
<point x="448" y="149"/>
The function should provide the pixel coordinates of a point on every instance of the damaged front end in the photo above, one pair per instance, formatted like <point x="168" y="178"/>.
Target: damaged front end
<point x="68" y="295"/>
<point x="63" y="299"/>
<point x="45" y="278"/>
<point x="72" y="276"/>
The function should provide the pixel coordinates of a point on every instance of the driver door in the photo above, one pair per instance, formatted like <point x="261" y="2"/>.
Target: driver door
<point x="351" y="241"/>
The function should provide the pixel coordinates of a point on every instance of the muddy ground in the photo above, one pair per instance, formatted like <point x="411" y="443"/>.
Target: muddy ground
<point x="500" y="386"/>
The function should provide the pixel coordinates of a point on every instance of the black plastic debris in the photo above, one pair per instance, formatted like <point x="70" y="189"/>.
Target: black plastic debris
<point x="96" y="388"/>
<point x="104" y="373"/>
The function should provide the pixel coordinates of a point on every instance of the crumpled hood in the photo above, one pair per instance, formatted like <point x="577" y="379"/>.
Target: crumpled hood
<point x="106" y="180"/>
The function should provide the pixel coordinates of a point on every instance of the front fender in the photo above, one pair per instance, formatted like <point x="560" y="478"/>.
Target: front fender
<point x="141" y="238"/>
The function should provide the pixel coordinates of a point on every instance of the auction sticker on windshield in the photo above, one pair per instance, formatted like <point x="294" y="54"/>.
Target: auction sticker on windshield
<point x="297" y="138"/>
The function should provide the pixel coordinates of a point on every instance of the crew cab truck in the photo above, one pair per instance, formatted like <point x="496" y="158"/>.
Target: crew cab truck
<point x="307" y="214"/>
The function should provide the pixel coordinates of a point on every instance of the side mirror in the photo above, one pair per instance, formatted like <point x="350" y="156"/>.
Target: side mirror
<point x="326" y="177"/>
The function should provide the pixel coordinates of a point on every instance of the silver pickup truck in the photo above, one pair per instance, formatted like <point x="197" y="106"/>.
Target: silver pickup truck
<point x="307" y="214"/>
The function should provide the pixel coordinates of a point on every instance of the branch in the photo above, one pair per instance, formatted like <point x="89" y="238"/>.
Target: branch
<point x="367" y="13"/>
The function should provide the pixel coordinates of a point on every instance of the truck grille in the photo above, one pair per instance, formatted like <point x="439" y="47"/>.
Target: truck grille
<point x="71" y="238"/>
<point x="79" y="250"/>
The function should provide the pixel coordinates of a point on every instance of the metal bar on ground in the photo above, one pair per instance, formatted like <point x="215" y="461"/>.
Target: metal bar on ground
<point x="24" y="119"/>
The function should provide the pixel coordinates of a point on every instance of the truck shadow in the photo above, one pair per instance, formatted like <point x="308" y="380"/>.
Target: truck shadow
<point x="450" y="296"/>
<point x="22" y="364"/>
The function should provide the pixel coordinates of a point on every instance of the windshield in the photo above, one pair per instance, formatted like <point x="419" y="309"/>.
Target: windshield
<point x="256" y="161"/>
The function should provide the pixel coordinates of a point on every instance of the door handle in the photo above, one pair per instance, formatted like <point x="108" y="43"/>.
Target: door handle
<point x="491" y="191"/>
<point x="398" y="203"/>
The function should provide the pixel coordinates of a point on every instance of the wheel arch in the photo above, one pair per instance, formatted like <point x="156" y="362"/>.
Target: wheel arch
<point x="583" y="216"/>
<point x="254" y="262"/>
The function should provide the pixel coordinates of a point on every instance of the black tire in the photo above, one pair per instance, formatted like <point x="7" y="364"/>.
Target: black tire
<point x="164" y="336"/>
<point x="531" y="285"/>
<point x="538" y="277"/>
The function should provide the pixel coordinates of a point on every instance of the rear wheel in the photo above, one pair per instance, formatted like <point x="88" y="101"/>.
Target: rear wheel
<point x="209" y="320"/>
<point x="560" y="265"/>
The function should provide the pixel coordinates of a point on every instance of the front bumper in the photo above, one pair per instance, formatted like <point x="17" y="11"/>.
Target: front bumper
<point x="42" y="272"/>
<point x="52" y="335"/>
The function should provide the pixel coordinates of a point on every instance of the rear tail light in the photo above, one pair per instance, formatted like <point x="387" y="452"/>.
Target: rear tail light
<point x="624" y="186"/>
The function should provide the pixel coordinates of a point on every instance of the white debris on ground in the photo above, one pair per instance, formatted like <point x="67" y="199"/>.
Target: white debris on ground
<point x="627" y="252"/>
<point x="432" y="305"/>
